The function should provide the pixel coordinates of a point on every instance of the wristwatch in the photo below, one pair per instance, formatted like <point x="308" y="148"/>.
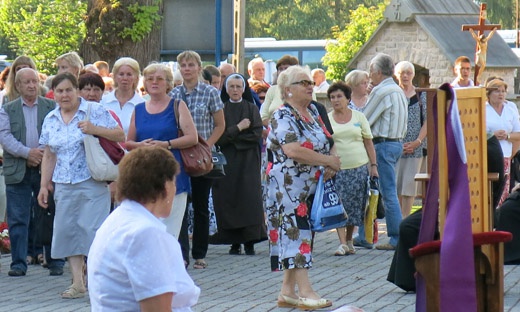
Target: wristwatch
<point x="508" y="136"/>
<point x="169" y="145"/>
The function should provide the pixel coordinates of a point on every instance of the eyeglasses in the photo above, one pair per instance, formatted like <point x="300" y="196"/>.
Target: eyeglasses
<point x="304" y="83"/>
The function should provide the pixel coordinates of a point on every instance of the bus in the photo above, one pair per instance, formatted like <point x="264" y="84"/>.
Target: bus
<point x="308" y="52"/>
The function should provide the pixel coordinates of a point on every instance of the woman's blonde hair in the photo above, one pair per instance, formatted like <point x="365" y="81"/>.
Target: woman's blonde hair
<point x="155" y="67"/>
<point x="10" y="85"/>
<point x="73" y="59"/>
<point x="494" y="84"/>
<point x="130" y="62"/>
<point x="355" y="77"/>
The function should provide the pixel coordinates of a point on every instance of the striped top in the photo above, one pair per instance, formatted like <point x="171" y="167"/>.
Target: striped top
<point x="387" y="110"/>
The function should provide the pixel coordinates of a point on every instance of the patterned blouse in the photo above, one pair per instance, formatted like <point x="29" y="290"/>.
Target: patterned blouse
<point x="416" y="118"/>
<point x="66" y="141"/>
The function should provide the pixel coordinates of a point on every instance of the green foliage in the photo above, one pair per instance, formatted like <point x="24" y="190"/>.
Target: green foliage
<point x="146" y="17"/>
<point x="502" y="12"/>
<point x="364" y="22"/>
<point x="299" y="19"/>
<point x="36" y="28"/>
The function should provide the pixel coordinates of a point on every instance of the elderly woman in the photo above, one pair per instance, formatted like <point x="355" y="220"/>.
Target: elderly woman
<point x="125" y="97"/>
<point x="134" y="264"/>
<point x="81" y="202"/>
<point x="410" y="161"/>
<point x="273" y="98"/>
<point x="91" y="87"/>
<point x="300" y="145"/>
<point x="154" y="123"/>
<point x="357" y="80"/>
<point x="237" y="198"/>
<point x="502" y="119"/>
<point x="353" y="141"/>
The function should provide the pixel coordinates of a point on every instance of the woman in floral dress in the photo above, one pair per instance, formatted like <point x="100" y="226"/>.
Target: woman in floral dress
<point x="300" y="144"/>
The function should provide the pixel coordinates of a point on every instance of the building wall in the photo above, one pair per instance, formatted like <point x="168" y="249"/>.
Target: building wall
<point x="409" y="42"/>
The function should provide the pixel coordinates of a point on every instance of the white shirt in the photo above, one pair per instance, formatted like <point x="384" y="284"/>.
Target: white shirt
<point x="124" y="113"/>
<point x="455" y="84"/>
<point x="508" y="121"/>
<point x="323" y="87"/>
<point x="133" y="258"/>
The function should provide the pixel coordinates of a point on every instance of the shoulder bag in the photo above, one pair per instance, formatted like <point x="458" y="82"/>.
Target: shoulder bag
<point x="100" y="165"/>
<point x="219" y="161"/>
<point x="197" y="158"/>
<point x="327" y="211"/>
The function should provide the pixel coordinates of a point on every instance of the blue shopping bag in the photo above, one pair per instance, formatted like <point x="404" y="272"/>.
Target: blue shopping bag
<point x="327" y="211"/>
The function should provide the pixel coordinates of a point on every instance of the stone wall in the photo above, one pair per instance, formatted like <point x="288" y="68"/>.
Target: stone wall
<point x="409" y="42"/>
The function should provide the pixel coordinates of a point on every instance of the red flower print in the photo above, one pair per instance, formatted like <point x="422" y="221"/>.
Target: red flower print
<point x="305" y="248"/>
<point x="308" y="144"/>
<point x="273" y="236"/>
<point x="301" y="211"/>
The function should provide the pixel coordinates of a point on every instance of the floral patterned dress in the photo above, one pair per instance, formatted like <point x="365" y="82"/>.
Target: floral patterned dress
<point x="289" y="184"/>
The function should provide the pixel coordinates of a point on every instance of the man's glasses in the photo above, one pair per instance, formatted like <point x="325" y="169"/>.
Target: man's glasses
<point x="304" y="83"/>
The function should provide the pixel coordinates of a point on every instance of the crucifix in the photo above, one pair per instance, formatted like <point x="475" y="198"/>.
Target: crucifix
<point x="482" y="41"/>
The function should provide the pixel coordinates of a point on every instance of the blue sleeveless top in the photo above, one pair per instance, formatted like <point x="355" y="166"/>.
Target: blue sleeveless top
<point x="163" y="127"/>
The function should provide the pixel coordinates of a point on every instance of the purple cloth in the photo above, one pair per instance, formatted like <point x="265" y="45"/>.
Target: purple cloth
<point x="457" y="267"/>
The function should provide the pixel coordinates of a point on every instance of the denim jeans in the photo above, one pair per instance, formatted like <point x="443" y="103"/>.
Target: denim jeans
<point x="388" y="153"/>
<point x="20" y="199"/>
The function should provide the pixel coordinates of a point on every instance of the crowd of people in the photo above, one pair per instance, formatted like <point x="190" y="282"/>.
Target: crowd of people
<point x="276" y="140"/>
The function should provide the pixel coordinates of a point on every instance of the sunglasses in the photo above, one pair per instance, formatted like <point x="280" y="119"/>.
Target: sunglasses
<point x="304" y="83"/>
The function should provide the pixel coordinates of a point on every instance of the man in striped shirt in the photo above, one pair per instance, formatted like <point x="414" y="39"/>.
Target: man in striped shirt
<point x="387" y="114"/>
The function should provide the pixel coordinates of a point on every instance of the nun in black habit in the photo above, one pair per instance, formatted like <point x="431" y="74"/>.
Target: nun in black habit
<point x="237" y="197"/>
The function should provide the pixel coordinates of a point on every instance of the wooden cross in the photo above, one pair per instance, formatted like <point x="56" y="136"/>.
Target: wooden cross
<point x="481" y="27"/>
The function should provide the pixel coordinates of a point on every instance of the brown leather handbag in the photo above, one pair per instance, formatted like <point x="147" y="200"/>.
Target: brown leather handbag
<point x="197" y="158"/>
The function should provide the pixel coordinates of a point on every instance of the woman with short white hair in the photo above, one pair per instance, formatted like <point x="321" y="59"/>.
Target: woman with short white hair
<point x="414" y="141"/>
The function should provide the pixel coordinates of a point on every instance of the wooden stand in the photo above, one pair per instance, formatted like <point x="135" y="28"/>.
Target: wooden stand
<point x="488" y="245"/>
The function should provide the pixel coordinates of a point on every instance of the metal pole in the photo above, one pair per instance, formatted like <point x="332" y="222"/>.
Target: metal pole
<point x="218" y="31"/>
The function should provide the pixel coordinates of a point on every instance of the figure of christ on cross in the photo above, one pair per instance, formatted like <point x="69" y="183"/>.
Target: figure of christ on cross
<point x="482" y="41"/>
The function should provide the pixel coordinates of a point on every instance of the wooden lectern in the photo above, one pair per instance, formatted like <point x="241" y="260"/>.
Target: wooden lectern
<point x="488" y="244"/>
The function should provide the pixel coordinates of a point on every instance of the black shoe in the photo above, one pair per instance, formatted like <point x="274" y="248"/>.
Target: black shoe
<point x="235" y="249"/>
<point x="55" y="271"/>
<point x="249" y="249"/>
<point x="16" y="272"/>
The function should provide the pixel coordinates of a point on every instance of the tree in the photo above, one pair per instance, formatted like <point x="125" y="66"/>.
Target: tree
<point x="117" y="28"/>
<point x="300" y="19"/>
<point x="364" y="22"/>
<point x="34" y="28"/>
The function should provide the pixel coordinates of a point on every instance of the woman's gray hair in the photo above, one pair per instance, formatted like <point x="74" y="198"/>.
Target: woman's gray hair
<point x="404" y="66"/>
<point x="383" y="63"/>
<point x="236" y="77"/>
<point x="288" y="76"/>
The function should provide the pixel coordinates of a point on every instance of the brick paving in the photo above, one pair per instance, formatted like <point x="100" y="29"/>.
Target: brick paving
<point x="245" y="283"/>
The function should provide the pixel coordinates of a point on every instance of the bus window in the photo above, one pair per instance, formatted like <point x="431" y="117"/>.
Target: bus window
<point x="308" y="52"/>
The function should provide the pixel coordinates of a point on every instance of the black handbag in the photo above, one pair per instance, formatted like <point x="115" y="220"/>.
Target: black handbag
<point x="45" y="222"/>
<point x="219" y="161"/>
<point x="380" y="212"/>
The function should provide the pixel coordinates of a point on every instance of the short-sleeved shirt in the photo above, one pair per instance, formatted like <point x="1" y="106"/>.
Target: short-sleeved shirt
<point x="124" y="113"/>
<point x="387" y="110"/>
<point x="508" y="121"/>
<point x="203" y="101"/>
<point x="348" y="139"/>
<point x="133" y="258"/>
<point x="66" y="141"/>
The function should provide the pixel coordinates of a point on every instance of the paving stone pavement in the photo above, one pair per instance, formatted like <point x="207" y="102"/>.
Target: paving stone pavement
<point x="245" y="283"/>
